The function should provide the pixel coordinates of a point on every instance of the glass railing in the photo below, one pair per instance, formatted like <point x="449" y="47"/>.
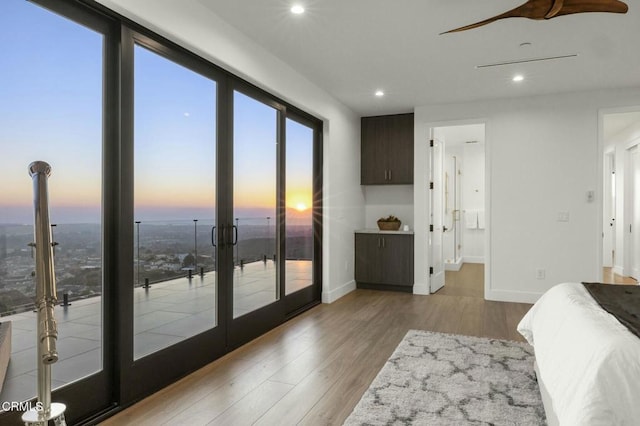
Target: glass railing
<point x="163" y="250"/>
<point x="78" y="264"/>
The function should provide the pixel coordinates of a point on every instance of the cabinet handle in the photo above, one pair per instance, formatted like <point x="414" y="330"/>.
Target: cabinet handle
<point x="385" y="174"/>
<point x="389" y="174"/>
<point x="383" y="242"/>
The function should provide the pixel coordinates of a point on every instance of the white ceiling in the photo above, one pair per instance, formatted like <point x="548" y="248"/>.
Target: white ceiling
<point x="353" y="47"/>
<point x="616" y="123"/>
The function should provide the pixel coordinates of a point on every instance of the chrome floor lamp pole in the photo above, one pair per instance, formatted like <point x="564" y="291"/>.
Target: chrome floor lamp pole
<point x="46" y="300"/>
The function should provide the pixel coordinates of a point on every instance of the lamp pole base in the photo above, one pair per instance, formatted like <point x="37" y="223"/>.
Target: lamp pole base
<point x="34" y="417"/>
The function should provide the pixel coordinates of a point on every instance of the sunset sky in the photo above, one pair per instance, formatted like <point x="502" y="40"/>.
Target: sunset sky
<point x="51" y="110"/>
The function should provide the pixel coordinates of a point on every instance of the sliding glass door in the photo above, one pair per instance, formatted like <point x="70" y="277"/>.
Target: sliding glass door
<point x="172" y="277"/>
<point x="275" y="222"/>
<point x="255" y="187"/>
<point x="299" y="203"/>
<point x="185" y="204"/>
<point x="52" y="102"/>
<point x="175" y="278"/>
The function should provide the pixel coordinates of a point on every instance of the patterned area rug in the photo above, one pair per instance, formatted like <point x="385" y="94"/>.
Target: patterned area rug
<point x="448" y="379"/>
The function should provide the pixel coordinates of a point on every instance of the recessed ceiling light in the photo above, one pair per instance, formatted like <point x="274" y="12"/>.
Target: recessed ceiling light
<point x="379" y="93"/>
<point x="518" y="78"/>
<point x="297" y="9"/>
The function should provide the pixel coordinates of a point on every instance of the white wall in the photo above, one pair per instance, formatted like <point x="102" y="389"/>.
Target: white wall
<point x="542" y="156"/>
<point x="473" y="197"/>
<point x="385" y="200"/>
<point x="195" y="27"/>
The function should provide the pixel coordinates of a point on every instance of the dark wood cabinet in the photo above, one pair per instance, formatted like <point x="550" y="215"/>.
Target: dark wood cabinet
<point x="384" y="261"/>
<point x="387" y="150"/>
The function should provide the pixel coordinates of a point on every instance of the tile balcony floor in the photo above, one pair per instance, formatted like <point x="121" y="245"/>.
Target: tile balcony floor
<point x="167" y="313"/>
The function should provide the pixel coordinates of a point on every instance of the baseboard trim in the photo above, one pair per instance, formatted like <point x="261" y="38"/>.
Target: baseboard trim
<point x="617" y="269"/>
<point x="333" y="295"/>
<point x="473" y="259"/>
<point x="453" y="266"/>
<point x="421" y="288"/>
<point x="511" y="296"/>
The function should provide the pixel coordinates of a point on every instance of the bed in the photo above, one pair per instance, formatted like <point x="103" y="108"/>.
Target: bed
<point x="587" y="362"/>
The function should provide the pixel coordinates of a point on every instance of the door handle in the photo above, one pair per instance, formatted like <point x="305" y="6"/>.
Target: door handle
<point x="213" y="236"/>
<point x="235" y="235"/>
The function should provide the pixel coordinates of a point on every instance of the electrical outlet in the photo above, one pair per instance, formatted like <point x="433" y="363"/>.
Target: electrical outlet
<point x="540" y="274"/>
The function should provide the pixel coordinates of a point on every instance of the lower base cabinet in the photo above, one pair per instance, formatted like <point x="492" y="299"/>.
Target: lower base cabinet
<point x="384" y="261"/>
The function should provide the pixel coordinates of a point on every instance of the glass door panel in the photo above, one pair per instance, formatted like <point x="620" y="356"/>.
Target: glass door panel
<point x="175" y="278"/>
<point x="299" y="207"/>
<point x="256" y="258"/>
<point x="51" y="109"/>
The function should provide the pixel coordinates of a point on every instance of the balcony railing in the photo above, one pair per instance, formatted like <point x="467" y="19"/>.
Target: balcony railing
<point x="163" y="250"/>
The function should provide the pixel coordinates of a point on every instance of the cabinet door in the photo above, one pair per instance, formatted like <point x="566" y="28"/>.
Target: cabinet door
<point x="387" y="150"/>
<point x="397" y="262"/>
<point x="368" y="258"/>
<point x="373" y="161"/>
<point x="399" y="129"/>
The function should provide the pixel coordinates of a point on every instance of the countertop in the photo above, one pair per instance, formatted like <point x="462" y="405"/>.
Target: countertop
<point x="377" y="231"/>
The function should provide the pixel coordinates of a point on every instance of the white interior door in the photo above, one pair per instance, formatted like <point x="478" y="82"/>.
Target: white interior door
<point x="634" y="226"/>
<point x="436" y="228"/>
<point x="608" y="214"/>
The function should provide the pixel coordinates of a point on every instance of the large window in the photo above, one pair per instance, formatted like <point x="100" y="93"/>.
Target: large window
<point x="51" y="84"/>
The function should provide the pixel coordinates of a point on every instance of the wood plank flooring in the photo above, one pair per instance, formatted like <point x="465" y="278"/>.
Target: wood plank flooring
<point x="608" y="276"/>
<point x="314" y="369"/>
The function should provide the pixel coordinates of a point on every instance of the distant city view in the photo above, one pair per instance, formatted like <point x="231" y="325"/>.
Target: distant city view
<point x="166" y="250"/>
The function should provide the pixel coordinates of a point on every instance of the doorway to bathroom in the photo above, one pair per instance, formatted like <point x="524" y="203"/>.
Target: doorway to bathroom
<point x="458" y="207"/>
<point x="621" y="199"/>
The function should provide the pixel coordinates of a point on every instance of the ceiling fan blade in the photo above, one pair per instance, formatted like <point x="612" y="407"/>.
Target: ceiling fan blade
<point x="557" y="5"/>
<point x="533" y="9"/>
<point x="476" y="25"/>
<point x="583" y="6"/>
<point x="547" y="9"/>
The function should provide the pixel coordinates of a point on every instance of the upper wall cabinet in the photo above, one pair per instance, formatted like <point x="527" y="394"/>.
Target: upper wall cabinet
<point x="387" y="150"/>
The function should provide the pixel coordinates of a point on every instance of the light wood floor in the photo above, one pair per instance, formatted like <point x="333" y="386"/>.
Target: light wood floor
<point x="314" y="369"/>
<point x="608" y="276"/>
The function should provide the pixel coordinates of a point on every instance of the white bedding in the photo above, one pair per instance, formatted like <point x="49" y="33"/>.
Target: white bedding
<point x="589" y="362"/>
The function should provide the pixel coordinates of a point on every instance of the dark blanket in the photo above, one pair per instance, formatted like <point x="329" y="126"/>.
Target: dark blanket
<point x="621" y="301"/>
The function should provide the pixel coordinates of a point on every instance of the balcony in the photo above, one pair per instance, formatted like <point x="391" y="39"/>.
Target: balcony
<point x="166" y="313"/>
<point x="176" y="303"/>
